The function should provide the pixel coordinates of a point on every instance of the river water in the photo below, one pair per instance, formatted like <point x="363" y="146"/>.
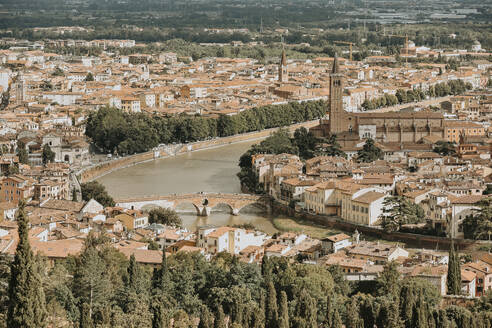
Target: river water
<point x="210" y="170"/>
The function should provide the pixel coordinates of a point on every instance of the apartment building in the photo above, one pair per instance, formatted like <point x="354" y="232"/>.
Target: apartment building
<point x="227" y="239"/>
<point x="455" y="129"/>
<point x="352" y="202"/>
<point x="16" y="187"/>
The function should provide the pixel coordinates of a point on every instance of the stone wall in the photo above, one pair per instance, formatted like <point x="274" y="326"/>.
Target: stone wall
<point x="98" y="170"/>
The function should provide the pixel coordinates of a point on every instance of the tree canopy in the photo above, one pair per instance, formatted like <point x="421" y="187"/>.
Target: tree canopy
<point x="398" y="210"/>
<point x="369" y="152"/>
<point x="97" y="191"/>
<point x="165" y="216"/>
<point x="113" y="130"/>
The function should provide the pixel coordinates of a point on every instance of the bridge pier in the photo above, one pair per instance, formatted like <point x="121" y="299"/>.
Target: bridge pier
<point x="204" y="211"/>
<point x="235" y="211"/>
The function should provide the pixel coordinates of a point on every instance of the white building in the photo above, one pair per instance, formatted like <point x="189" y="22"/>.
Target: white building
<point x="228" y="239"/>
<point x="333" y="244"/>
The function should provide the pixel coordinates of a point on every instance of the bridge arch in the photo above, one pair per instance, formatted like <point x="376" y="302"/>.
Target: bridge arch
<point x="203" y="203"/>
<point x="185" y="202"/>
<point x="258" y="206"/>
<point x="224" y="204"/>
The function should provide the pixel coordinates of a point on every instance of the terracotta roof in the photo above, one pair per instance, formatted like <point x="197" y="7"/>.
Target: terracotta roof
<point x="369" y="197"/>
<point x="467" y="276"/>
<point x="219" y="232"/>
<point x="337" y="237"/>
<point x="429" y="270"/>
<point x="58" y="248"/>
<point x="64" y="205"/>
<point x="468" y="199"/>
<point x="145" y="256"/>
<point x="276" y="248"/>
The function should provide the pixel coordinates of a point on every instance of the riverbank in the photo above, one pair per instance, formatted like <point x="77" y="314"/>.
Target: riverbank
<point x="323" y="225"/>
<point x="98" y="170"/>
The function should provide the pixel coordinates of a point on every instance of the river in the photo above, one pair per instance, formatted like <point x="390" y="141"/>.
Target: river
<point x="209" y="170"/>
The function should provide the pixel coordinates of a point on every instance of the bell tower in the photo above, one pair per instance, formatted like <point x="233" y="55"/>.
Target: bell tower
<point x="283" y="74"/>
<point x="337" y="114"/>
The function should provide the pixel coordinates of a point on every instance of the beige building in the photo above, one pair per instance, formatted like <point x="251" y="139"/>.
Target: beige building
<point x="352" y="202"/>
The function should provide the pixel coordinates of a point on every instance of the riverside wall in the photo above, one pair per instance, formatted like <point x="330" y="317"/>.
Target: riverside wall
<point x="98" y="170"/>
<point x="411" y="240"/>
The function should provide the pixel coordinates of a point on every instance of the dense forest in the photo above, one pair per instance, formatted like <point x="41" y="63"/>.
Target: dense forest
<point x="112" y="130"/>
<point x="101" y="288"/>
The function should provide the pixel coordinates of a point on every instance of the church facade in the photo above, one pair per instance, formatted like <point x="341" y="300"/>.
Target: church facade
<point x="350" y="128"/>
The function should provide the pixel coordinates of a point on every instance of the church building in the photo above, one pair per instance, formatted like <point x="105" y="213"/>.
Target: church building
<point x="350" y="128"/>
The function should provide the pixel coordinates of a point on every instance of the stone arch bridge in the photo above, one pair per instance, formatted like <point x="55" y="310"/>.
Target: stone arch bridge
<point x="203" y="202"/>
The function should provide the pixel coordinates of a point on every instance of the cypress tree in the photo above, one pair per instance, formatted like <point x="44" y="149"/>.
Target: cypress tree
<point x="394" y="320"/>
<point x="205" y="318"/>
<point x="132" y="273"/>
<point x="266" y="267"/>
<point x="420" y="315"/>
<point x="159" y="277"/>
<point x="161" y="301"/>
<point x="353" y="317"/>
<point x="27" y="307"/>
<point x="219" y="321"/>
<point x="283" y="313"/>
<point x="157" y="314"/>
<point x="306" y="314"/>
<point x="329" y="311"/>
<point x="336" y="321"/>
<point x="257" y="319"/>
<point x="454" y="272"/>
<point x="85" y="319"/>
<point x="271" y="308"/>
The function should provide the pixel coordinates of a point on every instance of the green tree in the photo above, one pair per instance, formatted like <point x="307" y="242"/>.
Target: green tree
<point x="27" y="306"/>
<point x="85" y="316"/>
<point x="48" y="155"/>
<point x="488" y="190"/>
<point x="219" y="321"/>
<point x="166" y="216"/>
<point x="445" y="148"/>
<point x="206" y="318"/>
<point x="161" y="303"/>
<point x="91" y="282"/>
<point x="306" y="142"/>
<point x="13" y="169"/>
<point x="271" y="309"/>
<point x="353" y="315"/>
<point x="336" y="321"/>
<point x="369" y="152"/>
<point x="283" y="311"/>
<point x="97" y="191"/>
<point x="398" y="211"/>
<point x="89" y="77"/>
<point x="330" y="147"/>
<point x="305" y="315"/>
<point x="58" y="72"/>
<point x="478" y="225"/>
<point x="388" y="281"/>
<point x="22" y="152"/>
<point x="5" y="99"/>
<point x="454" y="272"/>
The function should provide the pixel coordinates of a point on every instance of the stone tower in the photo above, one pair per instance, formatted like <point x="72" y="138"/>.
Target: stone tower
<point x="283" y="73"/>
<point x="337" y="114"/>
<point x="19" y="90"/>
